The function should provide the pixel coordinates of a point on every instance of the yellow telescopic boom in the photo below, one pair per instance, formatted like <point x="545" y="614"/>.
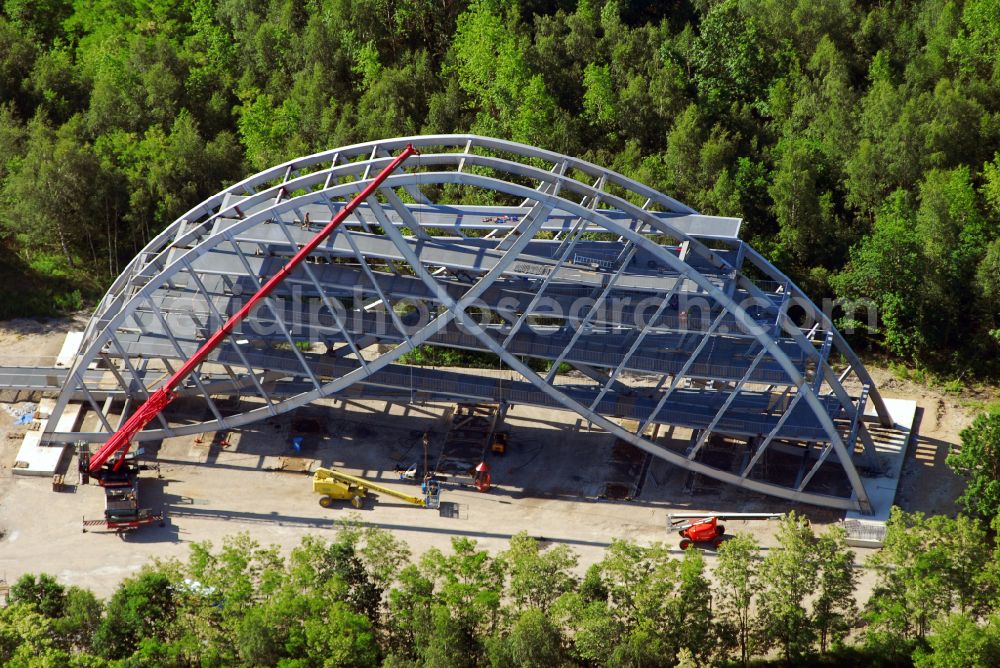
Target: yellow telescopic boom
<point x="325" y="481"/>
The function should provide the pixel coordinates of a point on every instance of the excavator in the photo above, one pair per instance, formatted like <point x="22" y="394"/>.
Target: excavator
<point x="336" y="485"/>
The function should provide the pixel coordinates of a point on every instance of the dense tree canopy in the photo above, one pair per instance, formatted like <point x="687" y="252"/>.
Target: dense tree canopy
<point x="355" y="597"/>
<point x="859" y="140"/>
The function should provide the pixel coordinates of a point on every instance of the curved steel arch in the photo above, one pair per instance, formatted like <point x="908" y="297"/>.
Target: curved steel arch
<point x="751" y="373"/>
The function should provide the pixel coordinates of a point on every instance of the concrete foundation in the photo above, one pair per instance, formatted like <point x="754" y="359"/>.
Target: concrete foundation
<point x="36" y="459"/>
<point x="891" y="446"/>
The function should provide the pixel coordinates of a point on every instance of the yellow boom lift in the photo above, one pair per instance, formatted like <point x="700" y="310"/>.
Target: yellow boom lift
<point x="336" y="485"/>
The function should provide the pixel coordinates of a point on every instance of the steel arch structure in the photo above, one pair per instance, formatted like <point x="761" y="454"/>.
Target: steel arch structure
<point x="537" y="259"/>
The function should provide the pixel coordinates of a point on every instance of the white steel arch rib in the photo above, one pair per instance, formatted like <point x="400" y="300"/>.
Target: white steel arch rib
<point x="772" y="381"/>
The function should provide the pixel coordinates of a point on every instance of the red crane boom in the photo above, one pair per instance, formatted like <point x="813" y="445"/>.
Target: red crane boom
<point x="121" y="440"/>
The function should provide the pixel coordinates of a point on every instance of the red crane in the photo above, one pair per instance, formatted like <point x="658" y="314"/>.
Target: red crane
<point x="121" y="440"/>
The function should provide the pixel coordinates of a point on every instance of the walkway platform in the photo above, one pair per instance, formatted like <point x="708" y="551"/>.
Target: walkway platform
<point x="891" y="446"/>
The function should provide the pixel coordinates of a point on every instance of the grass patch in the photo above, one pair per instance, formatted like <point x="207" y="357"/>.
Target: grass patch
<point x="28" y="292"/>
<point x="427" y="355"/>
<point x="439" y="356"/>
<point x="916" y="375"/>
<point x="953" y="386"/>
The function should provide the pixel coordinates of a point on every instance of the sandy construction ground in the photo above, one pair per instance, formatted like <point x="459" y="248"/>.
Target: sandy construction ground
<point x="549" y="484"/>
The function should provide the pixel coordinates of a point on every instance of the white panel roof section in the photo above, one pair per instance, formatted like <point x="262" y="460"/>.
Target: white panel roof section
<point x="476" y="218"/>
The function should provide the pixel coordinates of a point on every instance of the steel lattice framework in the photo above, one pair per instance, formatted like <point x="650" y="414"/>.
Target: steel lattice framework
<point x="539" y="259"/>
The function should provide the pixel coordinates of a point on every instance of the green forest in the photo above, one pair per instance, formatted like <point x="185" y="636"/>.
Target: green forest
<point x="356" y="598"/>
<point x="858" y="139"/>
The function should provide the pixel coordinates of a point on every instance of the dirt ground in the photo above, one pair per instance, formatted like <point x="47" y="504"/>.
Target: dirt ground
<point x="927" y="484"/>
<point x="549" y="484"/>
<point x="29" y="342"/>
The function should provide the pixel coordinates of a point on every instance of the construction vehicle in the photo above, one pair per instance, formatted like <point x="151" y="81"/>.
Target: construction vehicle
<point x="111" y="466"/>
<point x="156" y="402"/>
<point x="706" y="531"/>
<point x="120" y="480"/>
<point x="336" y="485"/>
<point x="499" y="445"/>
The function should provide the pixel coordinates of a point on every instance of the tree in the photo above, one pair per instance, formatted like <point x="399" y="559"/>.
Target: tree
<point x="591" y="625"/>
<point x="806" y="212"/>
<point x="383" y="555"/>
<point x="450" y="641"/>
<point x="275" y="629"/>
<point x="887" y="268"/>
<point x="270" y="130"/>
<point x="927" y="567"/>
<point x="599" y="98"/>
<point x="737" y="577"/>
<point x="41" y="20"/>
<point x="834" y="609"/>
<point x="395" y="104"/>
<point x="950" y="222"/>
<point x="788" y="576"/>
<point x="218" y="594"/>
<point x="681" y="159"/>
<point x="25" y="635"/>
<point x="629" y="572"/>
<point x="490" y="63"/>
<point x="340" y="637"/>
<point x="46" y="595"/>
<point x="691" y="610"/>
<point x="537" y="119"/>
<point x="537" y="578"/>
<point x="663" y="605"/>
<point x="81" y="617"/>
<point x="58" y="171"/>
<point x="316" y="563"/>
<point x="640" y="647"/>
<point x="17" y="55"/>
<point x="988" y="271"/>
<point x="409" y="618"/>
<point x="732" y="59"/>
<point x="465" y="609"/>
<point x="55" y="84"/>
<point x="988" y="276"/>
<point x="958" y="640"/>
<point x="978" y="461"/>
<point x="991" y="184"/>
<point x="73" y="614"/>
<point x="952" y="112"/>
<point x="142" y="607"/>
<point x="533" y="642"/>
